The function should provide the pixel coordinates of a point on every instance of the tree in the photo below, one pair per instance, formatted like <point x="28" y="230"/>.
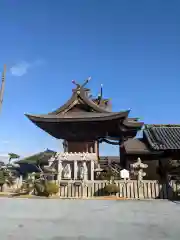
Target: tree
<point x="170" y="168"/>
<point x="108" y="174"/>
<point x="2" y="179"/>
<point x="13" y="156"/>
<point x="6" y="177"/>
<point x="173" y="169"/>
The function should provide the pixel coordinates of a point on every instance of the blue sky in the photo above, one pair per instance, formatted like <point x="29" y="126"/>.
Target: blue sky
<point x="132" y="47"/>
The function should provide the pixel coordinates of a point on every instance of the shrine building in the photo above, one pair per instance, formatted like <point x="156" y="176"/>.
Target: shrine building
<point x="84" y="122"/>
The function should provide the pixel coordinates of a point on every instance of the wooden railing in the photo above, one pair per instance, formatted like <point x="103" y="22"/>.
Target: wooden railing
<point x="129" y="189"/>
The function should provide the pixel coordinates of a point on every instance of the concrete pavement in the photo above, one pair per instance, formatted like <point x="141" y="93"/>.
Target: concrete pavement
<point x="53" y="219"/>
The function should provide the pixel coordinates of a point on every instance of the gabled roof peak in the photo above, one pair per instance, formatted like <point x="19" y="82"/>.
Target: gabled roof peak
<point x="80" y="94"/>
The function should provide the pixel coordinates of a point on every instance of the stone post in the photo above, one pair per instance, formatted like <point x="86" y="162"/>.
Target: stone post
<point x="60" y="167"/>
<point x="85" y="177"/>
<point x="138" y="169"/>
<point x="92" y="170"/>
<point x="75" y="169"/>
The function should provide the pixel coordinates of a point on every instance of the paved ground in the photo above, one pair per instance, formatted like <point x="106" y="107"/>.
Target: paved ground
<point x="29" y="219"/>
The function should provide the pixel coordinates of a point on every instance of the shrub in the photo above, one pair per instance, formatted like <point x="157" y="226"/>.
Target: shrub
<point x="51" y="188"/>
<point x="46" y="188"/>
<point x="111" y="189"/>
<point x="2" y="177"/>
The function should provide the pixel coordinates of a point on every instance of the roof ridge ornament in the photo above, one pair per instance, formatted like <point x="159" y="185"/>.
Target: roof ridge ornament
<point x="100" y="95"/>
<point x="81" y="86"/>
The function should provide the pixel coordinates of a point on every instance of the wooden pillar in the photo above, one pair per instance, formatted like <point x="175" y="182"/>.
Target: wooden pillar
<point x="87" y="147"/>
<point x="121" y="153"/>
<point x="91" y="149"/>
<point x="65" y="146"/>
<point x="96" y="149"/>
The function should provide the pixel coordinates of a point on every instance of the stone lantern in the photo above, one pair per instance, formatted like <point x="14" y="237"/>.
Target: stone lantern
<point x="138" y="169"/>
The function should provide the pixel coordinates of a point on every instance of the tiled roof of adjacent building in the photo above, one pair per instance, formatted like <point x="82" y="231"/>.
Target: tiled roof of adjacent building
<point x="41" y="157"/>
<point x="162" y="137"/>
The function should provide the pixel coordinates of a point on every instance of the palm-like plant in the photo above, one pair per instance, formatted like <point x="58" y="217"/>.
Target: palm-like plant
<point x="6" y="177"/>
<point x="13" y="156"/>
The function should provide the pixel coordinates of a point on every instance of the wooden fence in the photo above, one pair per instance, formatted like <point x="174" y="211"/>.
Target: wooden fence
<point x="129" y="189"/>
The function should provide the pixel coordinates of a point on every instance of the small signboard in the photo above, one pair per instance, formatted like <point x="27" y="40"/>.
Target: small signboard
<point x="124" y="174"/>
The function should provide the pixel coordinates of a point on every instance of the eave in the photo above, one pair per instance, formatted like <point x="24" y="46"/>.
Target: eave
<point x="78" y="127"/>
<point x="81" y="117"/>
<point x="132" y="123"/>
<point x="138" y="147"/>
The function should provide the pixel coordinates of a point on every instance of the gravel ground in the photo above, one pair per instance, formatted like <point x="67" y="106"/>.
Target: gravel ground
<point x="29" y="219"/>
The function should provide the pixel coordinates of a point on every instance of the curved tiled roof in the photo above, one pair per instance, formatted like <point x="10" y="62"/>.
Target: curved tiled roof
<point x="80" y="114"/>
<point x="162" y="137"/>
<point x="79" y="94"/>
